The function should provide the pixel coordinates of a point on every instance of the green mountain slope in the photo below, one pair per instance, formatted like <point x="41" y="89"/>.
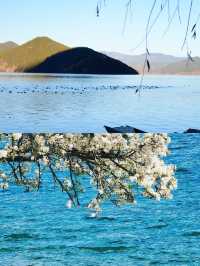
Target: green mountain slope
<point x="30" y="54"/>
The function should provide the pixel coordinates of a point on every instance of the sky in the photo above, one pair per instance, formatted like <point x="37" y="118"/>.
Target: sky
<point x="74" y="23"/>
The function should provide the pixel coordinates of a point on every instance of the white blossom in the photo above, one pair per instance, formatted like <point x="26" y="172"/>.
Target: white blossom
<point x="3" y="154"/>
<point x="116" y="165"/>
<point x="69" y="204"/>
<point x="17" y="136"/>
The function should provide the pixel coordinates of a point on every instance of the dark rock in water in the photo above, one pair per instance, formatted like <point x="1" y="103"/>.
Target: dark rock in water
<point x="129" y="129"/>
<point x="192" y="130"/>
<point x="83" y="60"/>
<point x="123" y="129"/>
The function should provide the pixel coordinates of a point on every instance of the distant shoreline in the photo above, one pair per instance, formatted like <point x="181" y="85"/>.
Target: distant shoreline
<point x="72" y="74"/>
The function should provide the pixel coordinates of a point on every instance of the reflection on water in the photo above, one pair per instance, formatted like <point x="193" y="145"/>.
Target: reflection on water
<point x="85" y="103"/>
<point x="37" y="229"/>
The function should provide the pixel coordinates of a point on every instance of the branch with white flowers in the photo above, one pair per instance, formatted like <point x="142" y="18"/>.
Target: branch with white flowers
<point x="116" y="164"/>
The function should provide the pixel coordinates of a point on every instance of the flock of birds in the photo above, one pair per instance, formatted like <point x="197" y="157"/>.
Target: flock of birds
<point x="64" y="89"/>
<point x="59" y="89"/>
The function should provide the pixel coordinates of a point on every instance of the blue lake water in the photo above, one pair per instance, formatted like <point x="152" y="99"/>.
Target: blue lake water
<point x="36" y="228"/>
<point x="82" y="103"/>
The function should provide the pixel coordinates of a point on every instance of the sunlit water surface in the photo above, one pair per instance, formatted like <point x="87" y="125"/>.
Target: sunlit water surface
<point x="85" y="103"/>
<point x="36" y="228"/>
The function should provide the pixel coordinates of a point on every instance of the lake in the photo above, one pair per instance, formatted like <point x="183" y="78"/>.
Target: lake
<point x="36" y="228"/>
<point x="85" y="103"/>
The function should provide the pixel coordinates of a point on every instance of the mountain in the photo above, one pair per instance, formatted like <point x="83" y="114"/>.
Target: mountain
<point x="43" y="54"/>
<point x="30" y="54"/>
<point x="183" y="67"/>
<point x="157" y="60"/>
<point x="7" y="45"/>
<point x="83" y="60"/>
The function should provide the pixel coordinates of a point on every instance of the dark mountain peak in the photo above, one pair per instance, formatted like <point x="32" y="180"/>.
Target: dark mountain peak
<point x="83" y="60"/>
<point x="82" y="50"/>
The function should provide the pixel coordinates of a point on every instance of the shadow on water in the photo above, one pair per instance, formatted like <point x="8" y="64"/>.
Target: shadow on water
<point x="158" y="226"/>
<point x="192" y="234"/>
<point x="110" y="249"/>
<point x="19" y="236"/>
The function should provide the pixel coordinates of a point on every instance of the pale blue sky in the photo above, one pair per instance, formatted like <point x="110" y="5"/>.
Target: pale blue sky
<point x="74" y="23"/>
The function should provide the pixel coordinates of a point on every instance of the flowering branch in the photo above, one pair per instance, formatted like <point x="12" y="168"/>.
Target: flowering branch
<point x="115" y="163"/>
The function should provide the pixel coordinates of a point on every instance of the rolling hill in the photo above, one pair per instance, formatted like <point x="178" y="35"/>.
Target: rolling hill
<point x="26" y="56"/>
<point x="7" y="45"/>
<point x="83" y="60"/>
<point x="183" y="67"/>
<point x="157" y="60"/>
<point x="43" y="54"/>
